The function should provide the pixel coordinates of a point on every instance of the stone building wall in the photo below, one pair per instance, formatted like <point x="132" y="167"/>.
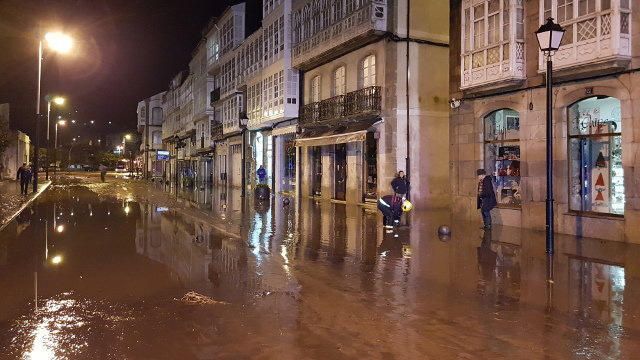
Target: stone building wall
<point x="467" y="149"/>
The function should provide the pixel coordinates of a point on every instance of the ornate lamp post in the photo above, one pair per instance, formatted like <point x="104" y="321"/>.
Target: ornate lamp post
<point x="549" y="38"/>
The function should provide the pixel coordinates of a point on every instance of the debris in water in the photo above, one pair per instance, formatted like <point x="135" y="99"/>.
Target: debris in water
<point x="193" y="298"/>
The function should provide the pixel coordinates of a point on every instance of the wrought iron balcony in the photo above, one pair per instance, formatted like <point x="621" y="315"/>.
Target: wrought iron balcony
<point x="366" y="101"/>
<point x="214" y="96"/>
<point x="216" y="132"/>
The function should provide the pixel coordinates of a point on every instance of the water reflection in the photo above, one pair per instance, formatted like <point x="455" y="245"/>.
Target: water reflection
<point x="296" y="273"/>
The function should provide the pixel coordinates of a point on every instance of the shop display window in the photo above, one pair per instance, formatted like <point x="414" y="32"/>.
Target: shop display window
<point x="502" y="155"/>
<point x="596" y="182"/>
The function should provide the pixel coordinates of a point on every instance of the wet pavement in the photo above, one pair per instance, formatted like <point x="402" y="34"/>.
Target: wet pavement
<point x="12" y="200"/>
<point x="110" y="265"/>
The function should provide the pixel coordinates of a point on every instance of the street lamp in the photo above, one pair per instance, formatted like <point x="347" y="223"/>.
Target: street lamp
<point x="61" y="43"/>
<point x="124" y="147"/>
<point x="55" y="144"/>
<point x="57" y="100"/>
<point x="549" y="38"/>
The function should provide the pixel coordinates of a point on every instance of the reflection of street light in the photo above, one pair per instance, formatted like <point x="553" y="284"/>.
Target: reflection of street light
<point x="60" y="228"/>
<point x="58" y="42"/>
<point x="549" y="38"/>
<point x="55" y="144"/>
<point x="127" y="209"/>
<point x="56" y="260"/>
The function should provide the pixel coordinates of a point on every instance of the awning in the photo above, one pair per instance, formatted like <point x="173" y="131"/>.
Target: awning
<point x="337" y="135"/>
<point x="290" y="129"/>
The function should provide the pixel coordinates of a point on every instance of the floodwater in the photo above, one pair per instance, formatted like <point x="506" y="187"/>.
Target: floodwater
<point x="110" y="264"/>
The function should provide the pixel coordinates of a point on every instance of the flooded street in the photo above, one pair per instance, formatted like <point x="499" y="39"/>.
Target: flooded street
<point x="104" y="271"/>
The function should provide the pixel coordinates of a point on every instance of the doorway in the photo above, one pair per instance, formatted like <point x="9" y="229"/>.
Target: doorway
<point x="341" y="172"/>
<point x="316" y="175"/>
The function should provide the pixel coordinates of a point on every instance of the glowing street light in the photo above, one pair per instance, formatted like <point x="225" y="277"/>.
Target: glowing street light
<point x="57" y="100"/>
<point x="60" y="228"/>
<point x="57" y="42"/>
<point x="56" y="260"/>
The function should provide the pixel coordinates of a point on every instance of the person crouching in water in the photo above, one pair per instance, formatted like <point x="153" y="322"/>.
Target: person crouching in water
<point x="486" y="197"/>
<point x="391" y="208"/>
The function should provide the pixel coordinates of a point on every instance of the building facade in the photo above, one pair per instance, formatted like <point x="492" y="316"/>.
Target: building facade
<point x="331" y="97"/>
<point x="375" y="84"/>
<point x="150" y="119"/>
<point x="18" y="149"/>
<point x="498" y="118"/>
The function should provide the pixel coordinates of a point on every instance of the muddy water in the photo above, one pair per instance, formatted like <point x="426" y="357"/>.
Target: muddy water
<point x="110" y="263"/>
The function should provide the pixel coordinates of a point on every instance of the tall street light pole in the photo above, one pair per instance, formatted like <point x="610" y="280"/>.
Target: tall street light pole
<point x="549" y="37"/>
<point x="55" y="145"/>
<point x="58" y="101"/>
<point x="61" y="43"/>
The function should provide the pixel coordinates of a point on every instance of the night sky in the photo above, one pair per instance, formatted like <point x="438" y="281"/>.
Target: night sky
<point x="125" y="51"/>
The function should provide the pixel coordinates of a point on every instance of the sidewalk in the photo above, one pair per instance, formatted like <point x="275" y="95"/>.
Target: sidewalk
<point x="12" y="202"/>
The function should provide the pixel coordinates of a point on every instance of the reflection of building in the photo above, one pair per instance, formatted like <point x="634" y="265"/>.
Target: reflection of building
<point x="150" y="118"/>
<point x="500" y="123"/>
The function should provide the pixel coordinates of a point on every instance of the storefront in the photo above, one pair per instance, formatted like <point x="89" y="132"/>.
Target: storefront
<point x="595" y="191"/>
<point x="340" y="164"/>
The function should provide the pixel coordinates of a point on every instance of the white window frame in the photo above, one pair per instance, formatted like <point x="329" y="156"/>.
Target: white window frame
<point x="368" y="71"/>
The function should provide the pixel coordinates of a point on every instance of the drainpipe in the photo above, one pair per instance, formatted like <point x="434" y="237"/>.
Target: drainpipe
<point x="407" y="159"/>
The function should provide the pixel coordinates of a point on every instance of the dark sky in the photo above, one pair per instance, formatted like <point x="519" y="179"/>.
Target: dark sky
<point x="125" y="51"/>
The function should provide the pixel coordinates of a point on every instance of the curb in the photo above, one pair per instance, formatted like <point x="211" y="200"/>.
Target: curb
<point x="9" y="219"/>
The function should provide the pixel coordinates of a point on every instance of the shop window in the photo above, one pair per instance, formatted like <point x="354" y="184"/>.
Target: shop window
<point x="502" y="155"/>
<point x="595" y="156"/>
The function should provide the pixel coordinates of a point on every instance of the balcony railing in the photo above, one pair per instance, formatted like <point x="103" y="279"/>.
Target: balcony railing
<point x="214" y="96"/>
<point x="356" y="103"/>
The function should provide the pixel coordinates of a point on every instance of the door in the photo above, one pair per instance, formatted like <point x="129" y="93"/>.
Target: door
<point x="316" y="160"/>
<point x="341" y="172"/>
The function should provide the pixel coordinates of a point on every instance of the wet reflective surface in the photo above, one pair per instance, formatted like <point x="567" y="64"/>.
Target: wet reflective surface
<point x="110" y="263"/>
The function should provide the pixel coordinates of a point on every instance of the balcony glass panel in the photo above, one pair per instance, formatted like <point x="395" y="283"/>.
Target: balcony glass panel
<point x="492" y="49"/>
<point x="592" y="31"/>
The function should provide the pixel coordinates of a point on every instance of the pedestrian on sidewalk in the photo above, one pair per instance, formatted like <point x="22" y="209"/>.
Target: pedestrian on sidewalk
<point x="103" y="172"/>
<point x="24" y="176"/>
<point x="262" y="174"/>
<point x="486" y="197"/>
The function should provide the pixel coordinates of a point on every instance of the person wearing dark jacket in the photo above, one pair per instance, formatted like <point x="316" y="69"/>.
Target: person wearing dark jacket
<point x="24" y="175"/>
<point x="486" y="197"/>
<point x="391" y="208"/>
<point x="400" y="184"/>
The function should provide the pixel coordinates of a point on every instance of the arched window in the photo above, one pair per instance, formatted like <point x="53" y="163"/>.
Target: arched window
<point x="595" y="156"/>
<point x="368" y="72"/>
<point x="315" y="89"/>
<point x="339" y="81"/>
<point x="502" y="155"/>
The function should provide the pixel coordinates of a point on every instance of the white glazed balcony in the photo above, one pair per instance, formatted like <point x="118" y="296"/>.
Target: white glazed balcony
<point x="369" y="19"/>
<point x="600" y="40"/>
<point x="498" y="60"/>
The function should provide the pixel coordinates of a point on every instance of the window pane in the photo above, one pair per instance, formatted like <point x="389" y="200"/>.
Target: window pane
<point x="597" y="183"/>
<point x="502" y="125"/>
<point x="595" y="116"/>
<point x="597" y="173"/>
<point x="502" y="160"/>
